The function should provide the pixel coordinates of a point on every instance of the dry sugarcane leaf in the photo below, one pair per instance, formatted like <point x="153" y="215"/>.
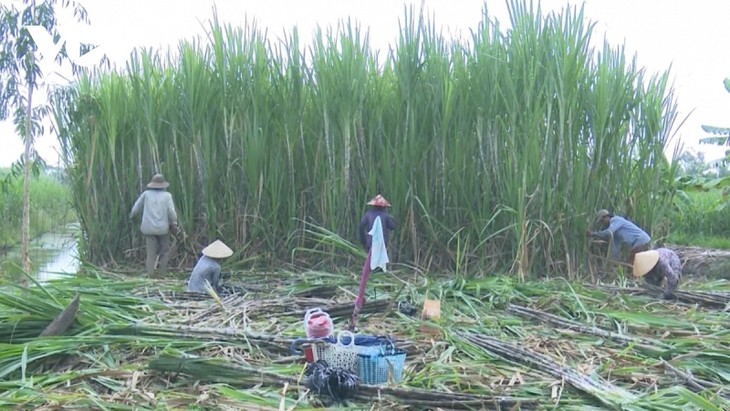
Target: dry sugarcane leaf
<point x="63" y="321"/>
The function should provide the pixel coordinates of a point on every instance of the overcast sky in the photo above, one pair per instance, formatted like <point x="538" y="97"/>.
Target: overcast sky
<point x="691" y="36"/>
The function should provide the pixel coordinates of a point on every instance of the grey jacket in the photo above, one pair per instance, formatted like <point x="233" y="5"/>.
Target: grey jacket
<point x="158" y="212"/>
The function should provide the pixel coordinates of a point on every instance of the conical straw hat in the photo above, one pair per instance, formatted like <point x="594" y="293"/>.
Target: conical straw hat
<point x="379" y="201"/>
<point x="644" y="262"/>
<point x="217" y="250"/>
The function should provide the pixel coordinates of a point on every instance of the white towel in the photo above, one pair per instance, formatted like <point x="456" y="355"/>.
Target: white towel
<point x="378" y="253"/>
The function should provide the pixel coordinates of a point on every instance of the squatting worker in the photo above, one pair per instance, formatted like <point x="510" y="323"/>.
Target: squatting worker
<point x="208" y="268"/>
<point x="659" y="265"/>
<point x="158" y="217"/>
<point x="622" y="231"/>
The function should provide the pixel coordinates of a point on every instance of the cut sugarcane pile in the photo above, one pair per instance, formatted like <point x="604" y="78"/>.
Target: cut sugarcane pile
<point x="500" y="345"/>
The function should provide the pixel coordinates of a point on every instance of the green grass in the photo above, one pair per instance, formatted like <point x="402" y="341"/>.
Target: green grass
<point x="700" y="240"/>
<point x="697" y="220"/>
<point x="50" y="207"/>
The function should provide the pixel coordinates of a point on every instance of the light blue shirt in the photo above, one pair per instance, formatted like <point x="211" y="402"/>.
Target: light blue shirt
<point x="623" y="231"/>
<point x="206" y="269"/>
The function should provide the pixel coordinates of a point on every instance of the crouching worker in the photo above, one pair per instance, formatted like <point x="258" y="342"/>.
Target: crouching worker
<point x="208" y="268"/>
<point x="621" y="231"/>
<point x="656" y="266"/>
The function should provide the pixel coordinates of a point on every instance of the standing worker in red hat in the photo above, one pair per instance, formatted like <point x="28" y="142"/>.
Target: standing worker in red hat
<point x="379" y="208"/>
<point x="374" y="228"/>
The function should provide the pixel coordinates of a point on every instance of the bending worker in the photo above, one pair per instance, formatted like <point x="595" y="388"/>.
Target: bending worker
<point x="208" y="268"/>
<point x="659" y="265"/>
<point x="621" y="231"/>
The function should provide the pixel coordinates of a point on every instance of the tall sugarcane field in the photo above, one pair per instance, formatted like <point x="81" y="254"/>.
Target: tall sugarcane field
<point x="480" y="283"/>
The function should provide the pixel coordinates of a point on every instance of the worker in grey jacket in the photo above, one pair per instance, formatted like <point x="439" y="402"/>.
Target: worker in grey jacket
<point x="208" y="268"/>
<point x="158" y="217"/>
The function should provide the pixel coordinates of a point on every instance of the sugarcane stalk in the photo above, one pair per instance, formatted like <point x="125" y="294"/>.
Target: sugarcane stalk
<point x="211" y="370"/>
<point x="208" y="370"/>
<point x="647" y="344"/>
<point x="690" y="381"/>
<point x="710" y="300"/>
<point x="605" y="392"/>
<point x="404" y="392"/>
<point x="200" y="332"/>
<point x="497" y="404"/>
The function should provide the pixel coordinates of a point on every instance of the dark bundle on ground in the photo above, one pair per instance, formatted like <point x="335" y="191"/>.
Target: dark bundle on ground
<point x="331" y="384"/>
<point x="230" y="289"/>
<point x="407" y="308"/>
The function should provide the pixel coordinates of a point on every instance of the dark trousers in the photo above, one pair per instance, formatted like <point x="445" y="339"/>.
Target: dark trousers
<point x="157" y="246"/>
<point x="638" y="249"/>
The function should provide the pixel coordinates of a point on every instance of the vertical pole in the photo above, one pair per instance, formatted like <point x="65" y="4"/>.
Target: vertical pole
<point x="361" y="292"/>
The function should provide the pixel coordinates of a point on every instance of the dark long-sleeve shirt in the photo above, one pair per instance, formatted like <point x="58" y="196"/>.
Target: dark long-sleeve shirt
<point x="366" y="224"/>
<point x="669" y="266"/>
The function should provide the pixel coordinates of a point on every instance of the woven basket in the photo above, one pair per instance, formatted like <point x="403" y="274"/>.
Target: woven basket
<point x="341" y="355"/>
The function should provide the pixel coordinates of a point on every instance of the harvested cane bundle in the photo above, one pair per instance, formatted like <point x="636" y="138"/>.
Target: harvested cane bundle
<point x="331" y="384"/>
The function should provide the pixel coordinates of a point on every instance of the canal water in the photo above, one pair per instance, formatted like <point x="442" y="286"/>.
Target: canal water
<point x="53" y="255"/>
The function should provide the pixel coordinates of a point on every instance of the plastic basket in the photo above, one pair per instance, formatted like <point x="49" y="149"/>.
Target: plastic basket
<point x="341" y="355"/>
<point x="316" y="351"/>
<point x="320" y="350"/>
<point x="375" y="368"/>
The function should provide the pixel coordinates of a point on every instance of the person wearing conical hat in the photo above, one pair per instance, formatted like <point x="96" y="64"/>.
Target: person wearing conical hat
<point x="374" y="228"/>
<point x="378" y="208"/>
<point x="621" y="231"/>
<point x="158" y="217"/>
<point x="659" y="265"/>
<point x="208" y="268"/>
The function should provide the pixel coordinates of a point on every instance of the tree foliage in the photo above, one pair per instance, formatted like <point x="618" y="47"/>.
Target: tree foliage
<point x="723" y="132"/>
<point x="21" y="75"/>
<point x="19" y="62"/>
